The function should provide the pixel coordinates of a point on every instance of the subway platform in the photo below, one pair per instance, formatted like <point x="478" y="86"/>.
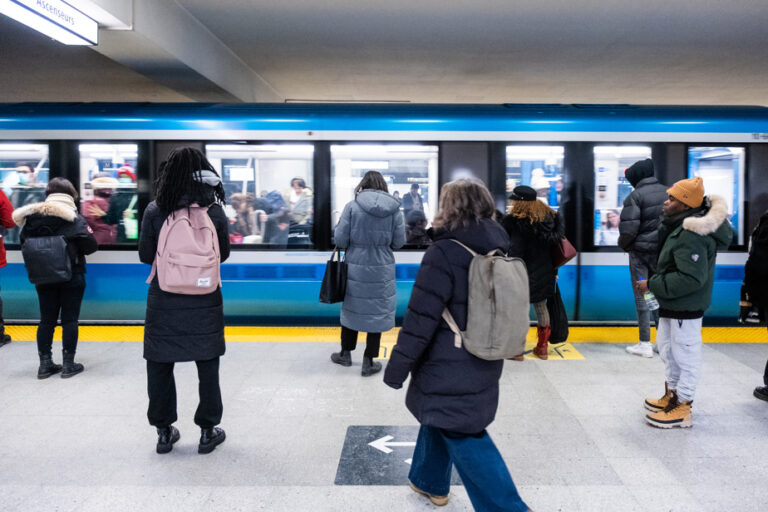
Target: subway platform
<point x="304" y="434"/>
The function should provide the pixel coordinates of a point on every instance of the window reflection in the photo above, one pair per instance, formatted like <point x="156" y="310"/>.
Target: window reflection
<point x="109" y="201"/>
<point x="722" y="170"/>
<point x="539" y="167"/>
<point x="269" y="192"/>
<point x="409" y="170"/>
<point x="612" y="187"/>
<point x="24" y="174"/>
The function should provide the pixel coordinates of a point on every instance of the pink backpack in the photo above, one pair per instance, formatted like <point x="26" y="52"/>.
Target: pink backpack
<point x="187" y="258"/>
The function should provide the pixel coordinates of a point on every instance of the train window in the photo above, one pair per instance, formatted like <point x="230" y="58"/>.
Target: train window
<point x="722" y="170"/>
<point x="108" y="191"/>
<point x="539" y="167"/>
<point x="410" y="171"/>
<point x="612" y="187"/>
<point x="24" y="174"/>
<point x="269" y="192"/>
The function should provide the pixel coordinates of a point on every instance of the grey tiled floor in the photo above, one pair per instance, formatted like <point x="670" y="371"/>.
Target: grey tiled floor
<point x="572" y="433"/>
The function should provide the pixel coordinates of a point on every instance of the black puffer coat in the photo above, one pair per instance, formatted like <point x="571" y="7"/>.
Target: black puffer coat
<point x="182" y="327"/>
<point x="533" y="241"/>
<point x="51" y="218"/>
<point x="639" y="224"/>
<point x="450" y="388"/>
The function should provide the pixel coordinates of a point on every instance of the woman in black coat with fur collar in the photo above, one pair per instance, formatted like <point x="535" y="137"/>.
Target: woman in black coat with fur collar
<point x="533" y="229"/>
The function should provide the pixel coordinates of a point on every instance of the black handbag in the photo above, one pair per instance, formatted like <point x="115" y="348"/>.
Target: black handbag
<point x="335" y="279"/>
<point x="558" y="319"/>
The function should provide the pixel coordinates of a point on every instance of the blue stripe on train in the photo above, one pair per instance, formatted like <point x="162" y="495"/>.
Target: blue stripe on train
<point x="287" y="294"/>
<point x="366" y="118"/>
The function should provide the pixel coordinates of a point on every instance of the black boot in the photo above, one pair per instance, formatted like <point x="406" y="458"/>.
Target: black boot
<point x="71" y="368"/>
<point x="166" y="437"/>
<point x="344" y="358"/>
<point x="370" y="367"/>
<point x="210" y="438"/>
<point x="4" y="339"/>
<point x="47" y="367"/>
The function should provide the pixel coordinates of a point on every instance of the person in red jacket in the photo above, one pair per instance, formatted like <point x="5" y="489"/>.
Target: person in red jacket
<point x="6" y="221"/>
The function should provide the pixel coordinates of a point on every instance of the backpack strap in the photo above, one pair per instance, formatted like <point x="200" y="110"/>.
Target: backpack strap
<point x="491" y="252"/>
<point x="448" y="317"/>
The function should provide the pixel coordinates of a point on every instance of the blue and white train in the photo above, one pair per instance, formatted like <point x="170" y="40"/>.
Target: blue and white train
<point x="574" y="155"/>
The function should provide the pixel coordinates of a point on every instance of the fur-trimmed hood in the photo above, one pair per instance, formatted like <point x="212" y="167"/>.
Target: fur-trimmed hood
<point x="711" y="220"/>
<point x="47" y="208"/>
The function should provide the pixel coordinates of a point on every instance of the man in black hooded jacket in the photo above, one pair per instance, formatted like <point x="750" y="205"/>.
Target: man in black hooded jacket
<point x="638" y="235"/>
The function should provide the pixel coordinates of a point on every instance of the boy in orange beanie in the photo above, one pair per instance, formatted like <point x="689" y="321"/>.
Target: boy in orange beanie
<point x="693" y="228"/>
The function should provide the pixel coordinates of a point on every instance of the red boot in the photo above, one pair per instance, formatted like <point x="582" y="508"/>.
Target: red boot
<point x="541" y="347"/>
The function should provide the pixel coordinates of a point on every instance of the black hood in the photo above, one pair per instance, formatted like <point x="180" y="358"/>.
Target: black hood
<point x="482" y="236"/>
<point x="206" y="198"/>
<point x="639" y="171"/>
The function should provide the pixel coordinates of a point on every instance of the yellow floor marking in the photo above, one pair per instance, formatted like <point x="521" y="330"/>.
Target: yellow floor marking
<point x="331" y="335"/>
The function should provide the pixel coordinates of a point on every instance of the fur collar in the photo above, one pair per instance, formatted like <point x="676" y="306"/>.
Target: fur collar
<point x="50" y="208"/>
<point x="710" y="221"/>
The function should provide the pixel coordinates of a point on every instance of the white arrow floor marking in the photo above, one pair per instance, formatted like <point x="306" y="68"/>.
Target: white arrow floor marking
<point x="383" y="444"/>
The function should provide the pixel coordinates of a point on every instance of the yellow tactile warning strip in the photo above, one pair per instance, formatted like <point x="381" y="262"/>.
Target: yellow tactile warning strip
<point x="135" y="333"/>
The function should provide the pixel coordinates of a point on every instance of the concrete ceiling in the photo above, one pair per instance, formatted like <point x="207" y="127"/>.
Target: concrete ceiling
<point x="447" y="51"/>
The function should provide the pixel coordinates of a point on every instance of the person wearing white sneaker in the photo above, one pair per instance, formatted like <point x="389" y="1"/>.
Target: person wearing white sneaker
<point x="638" y="236"/>
<point x="642" y="349"/>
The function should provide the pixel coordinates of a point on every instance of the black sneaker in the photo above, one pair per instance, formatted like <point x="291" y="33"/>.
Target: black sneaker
<point x="166" y="437"/>
<point x="5" y="339"/>
<point x="761" y="392"/>
<point x="210" y="438"/>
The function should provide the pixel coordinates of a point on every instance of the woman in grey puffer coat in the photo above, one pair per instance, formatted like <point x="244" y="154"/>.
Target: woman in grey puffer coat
<point x="369" y="229"/>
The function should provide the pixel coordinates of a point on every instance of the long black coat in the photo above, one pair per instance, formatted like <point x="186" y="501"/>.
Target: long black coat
<point x="182" y="327"/>
<point x="639" y="221"/>
<point x="449" y="388"/>
<point x="533" y="242"/>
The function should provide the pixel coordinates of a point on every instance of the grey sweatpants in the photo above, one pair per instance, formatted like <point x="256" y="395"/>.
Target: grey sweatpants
<point x="680" y="348"/>
<point x="643" y="265"/>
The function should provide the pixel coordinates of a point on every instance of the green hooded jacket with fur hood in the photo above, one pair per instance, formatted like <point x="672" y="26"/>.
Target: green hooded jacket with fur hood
<point x="686" y="269"/>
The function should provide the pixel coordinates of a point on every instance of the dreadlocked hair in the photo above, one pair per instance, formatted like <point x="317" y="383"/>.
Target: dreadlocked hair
<point x="533" y="211"/>
<point x="176" y="179"/>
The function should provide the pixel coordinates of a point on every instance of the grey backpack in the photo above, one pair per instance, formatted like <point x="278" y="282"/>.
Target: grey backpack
<point x="498" y="306"/>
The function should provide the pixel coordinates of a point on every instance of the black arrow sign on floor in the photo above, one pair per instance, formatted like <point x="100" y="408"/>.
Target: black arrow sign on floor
<point x="378" y="455"/>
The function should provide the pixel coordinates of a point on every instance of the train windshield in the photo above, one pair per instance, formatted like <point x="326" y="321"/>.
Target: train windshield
<point x="722" y="170"/>
<point x="269" y="189"/>
<point x="612" y="187"/>
<point x="539" y="167"/>
<point x="109" y="201"/>
<point x="24" y="173"/>
<point x="410" y="171"/>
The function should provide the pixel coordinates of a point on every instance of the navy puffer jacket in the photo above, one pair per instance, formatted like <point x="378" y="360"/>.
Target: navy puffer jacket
<point x="639" y="224"/>
<point x="449" y="388"/>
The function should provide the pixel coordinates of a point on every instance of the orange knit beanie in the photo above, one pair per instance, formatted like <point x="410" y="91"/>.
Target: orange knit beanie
<point x="689" y="192"/>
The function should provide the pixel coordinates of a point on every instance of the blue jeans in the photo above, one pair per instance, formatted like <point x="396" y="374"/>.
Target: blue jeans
<point x="478" y="461"/>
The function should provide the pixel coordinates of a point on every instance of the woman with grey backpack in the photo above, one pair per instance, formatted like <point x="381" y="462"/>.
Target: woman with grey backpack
<point x="369" y="229"/>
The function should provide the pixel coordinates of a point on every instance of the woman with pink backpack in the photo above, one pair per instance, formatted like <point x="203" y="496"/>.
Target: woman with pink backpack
<point x="184" y="236"/>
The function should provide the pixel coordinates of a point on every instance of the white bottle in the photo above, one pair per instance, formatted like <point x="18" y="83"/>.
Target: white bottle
<point x="650" y="298"/>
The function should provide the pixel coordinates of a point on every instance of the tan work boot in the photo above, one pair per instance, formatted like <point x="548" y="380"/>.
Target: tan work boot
<point x="675" y="415"/>
<point x="436" y="500"/>
<point x="653" y="405"/>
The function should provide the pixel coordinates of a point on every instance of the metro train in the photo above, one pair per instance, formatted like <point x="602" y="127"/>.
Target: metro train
<point x="289" y="168"/>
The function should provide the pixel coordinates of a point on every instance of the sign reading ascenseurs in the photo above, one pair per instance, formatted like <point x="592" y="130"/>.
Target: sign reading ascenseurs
<point x="64" y="16"/>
